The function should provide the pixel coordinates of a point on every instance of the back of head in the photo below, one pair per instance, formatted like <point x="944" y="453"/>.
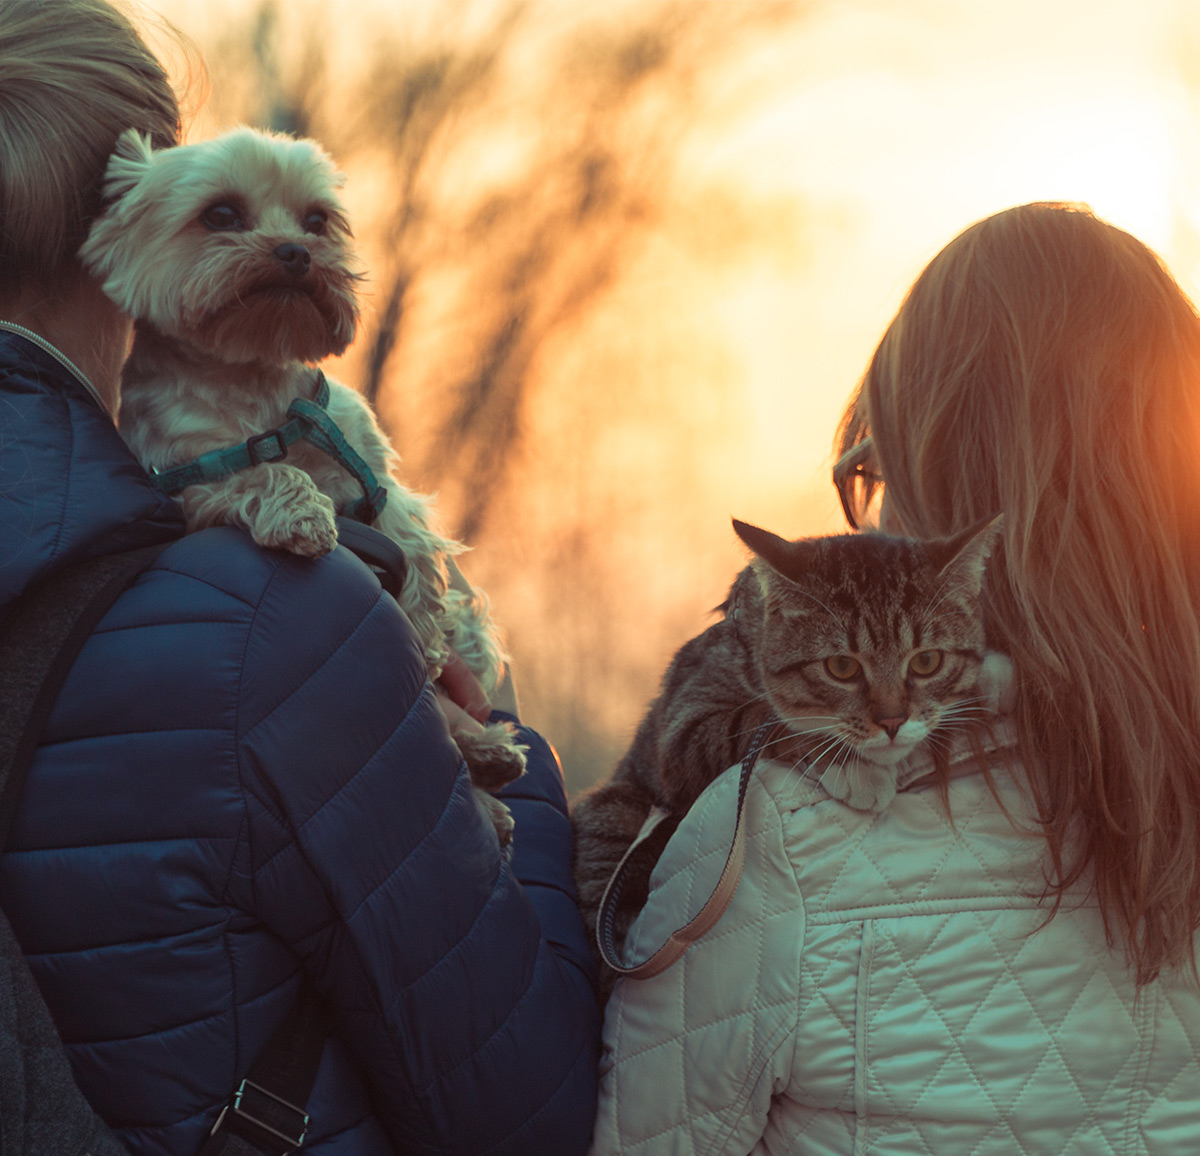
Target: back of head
<point x="73" y="75"/>
<point x="1047" y="366"/>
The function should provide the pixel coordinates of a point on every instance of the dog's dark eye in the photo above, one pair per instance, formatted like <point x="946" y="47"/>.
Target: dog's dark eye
<point x="223" y="218"/>
<point x="315" y="222"/>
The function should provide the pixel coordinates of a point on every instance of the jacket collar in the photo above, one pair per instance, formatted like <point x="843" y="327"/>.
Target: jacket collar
<point x="69" y="487"/>
<point x="58" y="355"/>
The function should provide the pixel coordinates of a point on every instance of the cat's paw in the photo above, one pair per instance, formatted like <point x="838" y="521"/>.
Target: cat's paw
<point x="861" y="785"/>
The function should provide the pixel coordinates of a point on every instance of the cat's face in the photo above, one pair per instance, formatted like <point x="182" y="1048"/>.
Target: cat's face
<point x="869" y="644"/>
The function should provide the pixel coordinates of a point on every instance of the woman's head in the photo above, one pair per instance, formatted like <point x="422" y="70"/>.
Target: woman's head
<point x="73" y="75"/>
<point x="1034" y="338"/>
<point x="1047" y="366"/>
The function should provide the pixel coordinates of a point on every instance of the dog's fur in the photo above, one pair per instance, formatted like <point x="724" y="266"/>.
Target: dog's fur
<point x="235" y="258"/>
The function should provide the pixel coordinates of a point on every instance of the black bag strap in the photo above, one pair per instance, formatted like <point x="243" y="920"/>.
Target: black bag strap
<point x="381" y="553"/>
<point x="41" y="635"/>
<point x="266" y="1112"/>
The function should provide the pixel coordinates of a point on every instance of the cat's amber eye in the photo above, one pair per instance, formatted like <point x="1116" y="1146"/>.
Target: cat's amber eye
<point x="315" y="221"/>
<point x="842" y="667"/>
<point x="925" y="663"/>
<point x="223" y="218"/>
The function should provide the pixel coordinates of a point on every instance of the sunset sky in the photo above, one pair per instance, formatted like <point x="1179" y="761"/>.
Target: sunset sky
<point x="890" y="126"/>
<point x="905" y="123"/>
<point x="818" y="171"/>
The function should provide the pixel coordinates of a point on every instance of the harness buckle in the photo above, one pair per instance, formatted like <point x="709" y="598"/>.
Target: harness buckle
<point x="256" y="455"/>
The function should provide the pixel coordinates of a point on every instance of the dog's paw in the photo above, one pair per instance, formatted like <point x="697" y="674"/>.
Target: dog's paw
<point x="306" y="528"/>
<point x="493" y="755"/>
<point x="497" y="814"/>
<point x="861" y="785"/>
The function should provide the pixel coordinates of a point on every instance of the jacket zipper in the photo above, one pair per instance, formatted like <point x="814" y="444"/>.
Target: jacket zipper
<point x="61" y="358"/>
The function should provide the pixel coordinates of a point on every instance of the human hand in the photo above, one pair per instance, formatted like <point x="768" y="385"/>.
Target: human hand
<point x="504" y="697"/>
<point x="457" y="719"/>
<point x="458" y="687"/>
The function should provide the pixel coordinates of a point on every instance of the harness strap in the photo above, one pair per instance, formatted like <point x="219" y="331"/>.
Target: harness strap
<point x="309" y="421"/>
<point x="651" y="840"/>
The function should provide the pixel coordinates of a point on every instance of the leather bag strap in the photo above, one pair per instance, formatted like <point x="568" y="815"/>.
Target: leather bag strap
<point x="652" y="839"/>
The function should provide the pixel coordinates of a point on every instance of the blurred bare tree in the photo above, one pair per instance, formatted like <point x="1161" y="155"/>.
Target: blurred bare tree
<point x="521" y="158"/>
<point x="614" y="96"/>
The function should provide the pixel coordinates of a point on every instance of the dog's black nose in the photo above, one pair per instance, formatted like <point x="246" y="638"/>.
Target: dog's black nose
<point x="295" y="258"/>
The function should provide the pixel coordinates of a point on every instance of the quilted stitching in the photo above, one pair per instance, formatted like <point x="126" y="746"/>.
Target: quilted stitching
<point x="925" y="1015"/>
<point x="740" y="1036"/>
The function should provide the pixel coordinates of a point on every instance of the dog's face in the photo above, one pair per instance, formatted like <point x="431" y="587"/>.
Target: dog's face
<point x="238" y="246"/>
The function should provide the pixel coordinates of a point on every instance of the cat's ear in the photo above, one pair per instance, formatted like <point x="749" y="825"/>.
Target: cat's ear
<point x="777" y="552"/>
<point x="964" y="556"/>
<point x="771" y="547"/>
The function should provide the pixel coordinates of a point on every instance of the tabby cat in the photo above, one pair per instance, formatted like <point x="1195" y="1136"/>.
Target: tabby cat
<point x="862" y="645"/>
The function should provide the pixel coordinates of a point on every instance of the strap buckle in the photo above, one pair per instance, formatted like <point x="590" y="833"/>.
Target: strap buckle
<point x="265" y="1110"/>
<point x="256" y="455"/>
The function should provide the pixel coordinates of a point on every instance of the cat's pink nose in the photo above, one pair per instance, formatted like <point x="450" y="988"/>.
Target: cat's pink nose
<point x="891" y="725"/>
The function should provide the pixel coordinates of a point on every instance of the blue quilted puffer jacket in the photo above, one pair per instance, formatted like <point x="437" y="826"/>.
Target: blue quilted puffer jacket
<point x="246" y="781"/>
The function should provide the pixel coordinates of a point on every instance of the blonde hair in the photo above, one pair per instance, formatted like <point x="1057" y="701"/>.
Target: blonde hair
<point x="1047" y="366"/>
<point x="73" y="75"/>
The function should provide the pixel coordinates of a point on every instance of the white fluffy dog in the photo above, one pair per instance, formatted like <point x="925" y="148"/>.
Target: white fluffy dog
<point x="234" y="256"/>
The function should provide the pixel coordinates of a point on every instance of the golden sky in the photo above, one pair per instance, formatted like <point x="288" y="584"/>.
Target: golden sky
<point x="844" y="154"/>
<point x="891" y="126"/>
<point x="908" y="121"/>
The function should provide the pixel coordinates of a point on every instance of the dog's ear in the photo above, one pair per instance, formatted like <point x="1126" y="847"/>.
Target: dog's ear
<point x="130" y="161"/>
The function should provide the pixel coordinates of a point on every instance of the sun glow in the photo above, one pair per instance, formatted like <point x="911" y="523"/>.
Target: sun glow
<point x="902" y="126"/>
<point x="810" y="169"/>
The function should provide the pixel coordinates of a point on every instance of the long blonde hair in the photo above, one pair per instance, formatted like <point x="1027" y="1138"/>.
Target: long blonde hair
<point x="73" y="75"/>
<point x="1046" y="365"/>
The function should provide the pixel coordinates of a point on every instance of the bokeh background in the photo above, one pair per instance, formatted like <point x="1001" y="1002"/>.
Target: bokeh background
<point x="627" y="258"/>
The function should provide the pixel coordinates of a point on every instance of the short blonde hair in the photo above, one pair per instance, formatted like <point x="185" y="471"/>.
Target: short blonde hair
<point x="1046" y="365"/>
<point x="73" y="75"/>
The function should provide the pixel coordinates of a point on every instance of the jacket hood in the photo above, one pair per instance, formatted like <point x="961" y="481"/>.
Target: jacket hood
<point x="69" y="487"/>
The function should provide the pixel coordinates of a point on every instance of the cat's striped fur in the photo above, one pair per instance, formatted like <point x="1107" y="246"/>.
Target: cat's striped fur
<point x="863" y="646"/>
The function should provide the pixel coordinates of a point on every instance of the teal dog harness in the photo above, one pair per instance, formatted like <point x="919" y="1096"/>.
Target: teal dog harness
<point x="307" y="421"/>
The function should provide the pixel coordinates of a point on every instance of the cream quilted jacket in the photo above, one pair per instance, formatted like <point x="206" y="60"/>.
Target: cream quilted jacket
<point x="879" y="985"/>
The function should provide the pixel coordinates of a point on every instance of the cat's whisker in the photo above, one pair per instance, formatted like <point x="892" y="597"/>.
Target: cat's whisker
<point x="824" y="721"/>
<point x="784" y="738"/>
<point x="822" y="605"/>
<point x="837" y="741"/>
<point x="780" y="614"/>
<point x="967" y="714"/>
<point x="752" y="701"/>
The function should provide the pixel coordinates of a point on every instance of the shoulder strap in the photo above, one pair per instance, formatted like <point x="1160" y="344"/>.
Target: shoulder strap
<point x="381" y="553"/>
<point x="40" y="637"/>
<point x="266" y="1112"/>
<point x="651" y="841"/>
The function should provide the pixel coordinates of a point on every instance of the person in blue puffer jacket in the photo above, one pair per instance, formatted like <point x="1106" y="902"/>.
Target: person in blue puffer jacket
<point x="247" y="784"/>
